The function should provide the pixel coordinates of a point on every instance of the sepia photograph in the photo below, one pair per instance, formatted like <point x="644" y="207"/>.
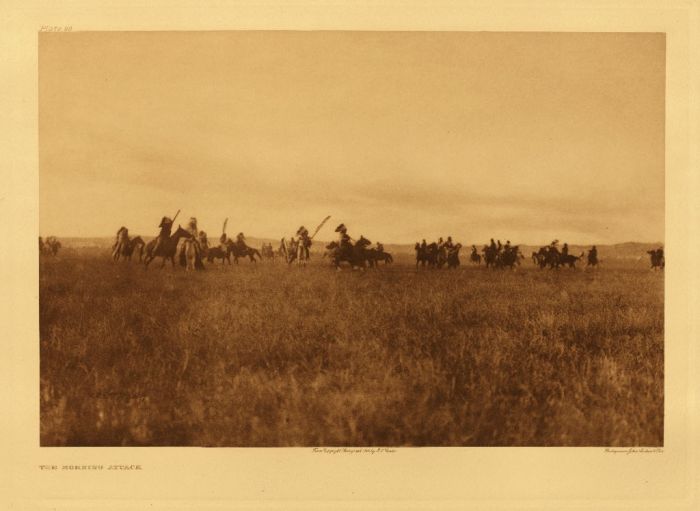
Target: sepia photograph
<point x="351" y="238"/>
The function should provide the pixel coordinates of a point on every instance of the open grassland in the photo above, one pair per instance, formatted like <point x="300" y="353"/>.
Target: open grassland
<point x="267" y="355"/>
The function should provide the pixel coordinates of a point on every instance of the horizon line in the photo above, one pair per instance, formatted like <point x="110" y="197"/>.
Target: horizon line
<point x="408" y="243"/>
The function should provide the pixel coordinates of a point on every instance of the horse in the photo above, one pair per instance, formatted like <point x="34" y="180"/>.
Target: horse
<point x="188" y="255"/>
<point x="453" y="256"/>
<point x="421" y="254"/>
<point x="374" y="256"/>
<point x="204" y="246"/>
<point x="131" y="245"/>
<point x="547" y="256"/>
<point x="658" y="261"/>
<point x="330" y="249"/>
<point x="440" y="256"/>
<point x="54" y="245"/>
<point x="289" y="249"/>
<point x="490" y="256"/>
<point x="125" y="248"/>
<point x="267" y="252"/>
<point x="241" y="250"/>
<point x="570" y="260"/>
<point x="302" y="252"/>
<point x="121" y="245"/>
<point x="427" y="254"/>
<point x="50" y="246"/>
<point x="167" y="247"/>
<point x="384" y="256"/>
<point x="218" y="253"/>
<point x="356" y="255"/>
<point x="509" y="258"/>
<point x="475" y="257"/>
<point x="592" y="260"/>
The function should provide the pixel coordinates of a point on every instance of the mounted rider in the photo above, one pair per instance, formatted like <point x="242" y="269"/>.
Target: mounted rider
<point x="660" y="257"/>
<point x="223" y="239"/>
<point x="304" y="243"/>
<point x="593" y="256"/>
<point x="194" y="232"/>
<point x="553" y="247"/>
<point x="380" y="248"/>
<point x="192" y="228"/>
<point x="166" y="227"/>
<point x="203" y="241"/>
<point x="344" y="240"/>
<point x="121" y="239"/>
<point x="240" y="241"/>
<point x="507" y="247"/>
<point x="565" y="250"/>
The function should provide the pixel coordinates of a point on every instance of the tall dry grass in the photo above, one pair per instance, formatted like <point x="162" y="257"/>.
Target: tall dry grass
<point x="268" y="355"/>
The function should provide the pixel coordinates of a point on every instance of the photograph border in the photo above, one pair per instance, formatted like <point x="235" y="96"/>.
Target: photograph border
<point x="304" y="478"/>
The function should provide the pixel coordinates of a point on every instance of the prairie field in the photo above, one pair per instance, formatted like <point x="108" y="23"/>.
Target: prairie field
<point x="271" y="355"/>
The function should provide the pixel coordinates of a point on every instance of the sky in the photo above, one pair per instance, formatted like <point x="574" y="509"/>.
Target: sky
<point x="398" y="135"/>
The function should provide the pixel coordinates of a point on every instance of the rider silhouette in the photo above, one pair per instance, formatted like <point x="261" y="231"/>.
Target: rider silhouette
<point x="166" y="225"/>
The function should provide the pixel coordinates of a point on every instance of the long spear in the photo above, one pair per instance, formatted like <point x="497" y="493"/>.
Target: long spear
<point x="320" y="225"/>
<point x="178" y="212"/>
<point x="224" y="228"/>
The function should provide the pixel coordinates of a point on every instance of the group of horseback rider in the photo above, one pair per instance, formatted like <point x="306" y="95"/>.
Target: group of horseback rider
<point x="299" y="248"/>
<point x="553" y="249"/>
<point x="440" y="244"/>
<point x="358" y="253"/>
<point x="437" y="254"/>
<point x="197" y="238"/>
<point x="497" y="247"/>
<point x="552" y="256"/>
<point x="345" y="242"/>
<point x="658" y="260"/>
<point x="296" y="249"/>
<point x="498" y="255"/>
<point x="49" y="246"/>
